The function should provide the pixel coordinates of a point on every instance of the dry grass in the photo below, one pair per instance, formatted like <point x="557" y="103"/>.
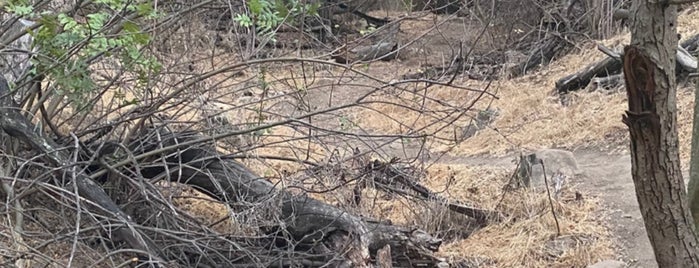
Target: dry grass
<point x="530" y="227"/>
<point x="530" y="118"/>
<point x="527" y="238"/>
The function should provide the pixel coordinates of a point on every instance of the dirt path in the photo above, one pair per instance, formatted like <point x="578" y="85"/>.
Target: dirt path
<point x="607" y="176"/>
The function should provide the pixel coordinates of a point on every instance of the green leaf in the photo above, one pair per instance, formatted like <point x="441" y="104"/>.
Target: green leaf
<point x="144" y="9"/>
<point x="255" y="7"/>
<point x="313" y="8"/>
<point x="20" y="10"/>
<point x="281" y="8"/>
<point x="131" y="27"/>
<point x="96" y="21"/>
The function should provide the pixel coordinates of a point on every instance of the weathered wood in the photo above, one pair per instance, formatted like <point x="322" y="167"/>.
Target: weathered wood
<point x="18" y="126"/>
<point x="649" y="71"/>
<point x="607" y="82"/>
<point x="693" y="185"/>
<point x="470" y="68"/>
<point x="308" y="220"/>
<point x="686" y="61"/>
<point x="384" y="51"/>
<point x="691" y="44"/>
<point x="392" y="180"/>
<point x="605" y="67"/>
<point x="541" y="55"/>
<point x="612" y="66"/>
<point x="383" y="257"/>
<point x="342" y="8"/>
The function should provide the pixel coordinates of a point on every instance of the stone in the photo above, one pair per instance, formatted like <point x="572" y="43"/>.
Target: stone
<point x="608" y="264"/>
<point x="559" y="165"/>
<point x="556" y="247"/>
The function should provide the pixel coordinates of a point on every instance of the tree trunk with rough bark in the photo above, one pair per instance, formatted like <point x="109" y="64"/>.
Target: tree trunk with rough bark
<point x="649" y="70"/>
<point x="693" y="188"/>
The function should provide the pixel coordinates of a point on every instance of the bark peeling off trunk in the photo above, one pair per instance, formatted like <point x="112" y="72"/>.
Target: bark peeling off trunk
<point x="649" y="71"/>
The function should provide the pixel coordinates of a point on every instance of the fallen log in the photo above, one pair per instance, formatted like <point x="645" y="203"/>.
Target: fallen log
<point x="389" y="178"/>
<point x="613" y="66"/>
<point x="686" y="61"/>
<point x="326" y="234"/>
<point x="310" y="222"/>
<point x="605" y="67"/>
<point x="607" y="82"/>
<point x="691" y="44"/>
<point x="382" y="51"/>
<point x="471" y="68"/>
<point x="541" y="55"/>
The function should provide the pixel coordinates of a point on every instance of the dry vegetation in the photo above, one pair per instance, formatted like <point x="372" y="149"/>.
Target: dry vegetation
<point x="530" y="118"/>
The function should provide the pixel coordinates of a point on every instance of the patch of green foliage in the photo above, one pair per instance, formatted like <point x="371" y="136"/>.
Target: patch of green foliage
<point x="266" y="15"/>
<point x="67" y="46"/>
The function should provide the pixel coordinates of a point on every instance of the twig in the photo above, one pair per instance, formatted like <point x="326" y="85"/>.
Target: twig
<point x="609" y="52"/>
<point x="16" y="231"/>
<point x="509" y="183"/>
<point x="553" y="211"/>
<point x="78" y="208"/>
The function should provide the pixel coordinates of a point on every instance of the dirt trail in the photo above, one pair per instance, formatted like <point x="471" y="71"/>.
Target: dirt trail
<point x="608" y="177"/>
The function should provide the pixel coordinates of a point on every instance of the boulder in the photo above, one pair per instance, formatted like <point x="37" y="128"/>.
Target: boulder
<point x="558" y="166"/>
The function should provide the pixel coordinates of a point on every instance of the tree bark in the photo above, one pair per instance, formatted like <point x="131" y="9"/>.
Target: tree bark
<point x="611" y="66"/>
<point x="694" y="162"/>
<point x="649" y="71"/>
<point x="308" y="220"/>
<point x="605" y="67"/>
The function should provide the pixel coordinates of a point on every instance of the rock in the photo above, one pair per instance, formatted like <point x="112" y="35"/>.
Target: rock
<point x="482" y="120"/>
<point x="559" y="165"/>
<point x="556" y="247"/>
<point x="608" y="264"/>
<point x="377" y="51"/>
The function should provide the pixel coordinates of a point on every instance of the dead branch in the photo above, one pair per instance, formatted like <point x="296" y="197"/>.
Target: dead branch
<point x="607" y="66"/>
<point x="613" y="65"/>
<point x="307" y="220"/>
<point x="389" y="178"/>
<point x="17" y="126"/>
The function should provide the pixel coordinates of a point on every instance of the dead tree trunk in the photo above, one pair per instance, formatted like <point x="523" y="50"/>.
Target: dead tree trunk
<point x="324" y="228"/>
<point x="649" y="70"/>
<point x="605" y="67"/>
<point x="308" y="220"/>
<point x="17" y="126"/>
<point x="541" y="55"/>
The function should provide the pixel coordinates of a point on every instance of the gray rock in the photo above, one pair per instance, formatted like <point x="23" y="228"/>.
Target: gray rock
<point x="559" y="165"/>
<point x="608" y="264"/>
<point x="556" y="247"/>
<point x="377" y="51"/>
<point x="482" y="120"/>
